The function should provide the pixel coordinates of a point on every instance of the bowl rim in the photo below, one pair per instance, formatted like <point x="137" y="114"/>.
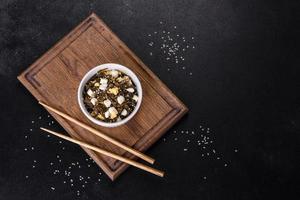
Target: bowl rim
<point x="93" y="71"/>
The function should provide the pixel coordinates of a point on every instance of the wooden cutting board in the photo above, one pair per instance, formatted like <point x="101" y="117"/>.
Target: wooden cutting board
<point x="54" y="79"/>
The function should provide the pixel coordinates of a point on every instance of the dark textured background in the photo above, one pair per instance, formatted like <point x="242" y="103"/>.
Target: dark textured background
<point x="245" y="86"/>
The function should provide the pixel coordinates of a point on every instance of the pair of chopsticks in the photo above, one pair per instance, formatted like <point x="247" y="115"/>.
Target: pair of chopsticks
<point x="107" y="138"/>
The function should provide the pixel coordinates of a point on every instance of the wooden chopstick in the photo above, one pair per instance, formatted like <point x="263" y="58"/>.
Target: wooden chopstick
<point x="107" y="153"/>
<point x="100" y="134"/>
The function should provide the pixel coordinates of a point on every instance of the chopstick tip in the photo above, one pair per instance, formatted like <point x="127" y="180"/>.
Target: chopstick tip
<point x="41" y="103"/>
<point x="162" y="174"/>
<point x="42" y="128"/>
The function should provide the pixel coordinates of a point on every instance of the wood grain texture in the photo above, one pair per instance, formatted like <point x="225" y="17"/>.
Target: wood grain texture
<point x="54" y="79"/>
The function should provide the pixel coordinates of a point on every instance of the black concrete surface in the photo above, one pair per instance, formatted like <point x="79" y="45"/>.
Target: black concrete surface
<point x="245" y="87"/>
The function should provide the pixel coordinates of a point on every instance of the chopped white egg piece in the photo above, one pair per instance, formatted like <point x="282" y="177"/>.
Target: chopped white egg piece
<point x="103" y="81"/>
<point x="120" y="99"/>
<point x="106" y="114"/>
<point x="114" y="73"/>
<point x="124" y="112"/>
<point x="91" y="93"/>
<point x="103" y="87"/>
<point x="113" y="112"/>
<point x="131" y="90"/>
<point x="94" y="101"/>
<point x="107" y="103"/>
<point x="136" y="98"/>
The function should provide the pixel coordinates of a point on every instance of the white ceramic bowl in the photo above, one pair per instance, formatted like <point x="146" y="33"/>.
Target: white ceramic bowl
<point x="89" y="75"/>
